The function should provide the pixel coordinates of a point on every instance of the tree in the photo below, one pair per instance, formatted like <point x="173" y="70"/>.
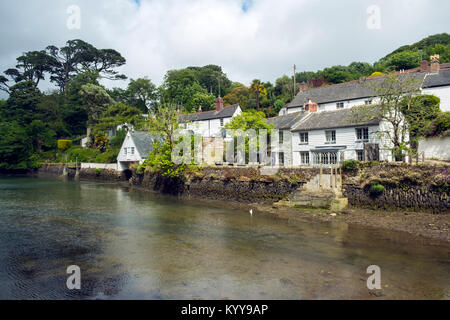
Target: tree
<point x="141" y="93"/>
<point x="179" y="87"/>
<point x="258" y="90"/>
<point x="396" y="93"/>
<point x="251" y="119"/>
<point x="212" y="79"/>
<point x="77" y="56"/>
<point x="15" y="147"/>
<point x="119" y="114"/>
<point x="284" y="88"/>
<point x="41" y="136"/>
<point x="420" y="114"/>
<point x="164" y="123"/>
<point x="238" y="95"/>
<point x="97" y="100"/>
<point x="205" y="100"/>
<point x="22" y="102"/>
<point x="404" y="60"/>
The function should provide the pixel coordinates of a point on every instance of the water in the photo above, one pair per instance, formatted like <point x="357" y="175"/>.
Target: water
<point x="136" y="245"/>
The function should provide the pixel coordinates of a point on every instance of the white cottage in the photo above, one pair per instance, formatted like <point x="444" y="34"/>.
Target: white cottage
<point x="330" y="137"/>
<point x="135" y="148"/>
<point x="212" y="123"/>
<point x="433" y="79"/>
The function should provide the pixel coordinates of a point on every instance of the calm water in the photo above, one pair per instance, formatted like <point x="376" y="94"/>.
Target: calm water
<point x="135" y="245"/>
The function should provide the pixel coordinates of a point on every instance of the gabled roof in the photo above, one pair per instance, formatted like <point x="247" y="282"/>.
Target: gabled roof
<point x="442" y="78"/>
<point x="285" y="121"/>
<point x="358" y="89"/>
<point x="143" y="142"/>
<point x="332" y="119"/>
<point x="226" y="112"/>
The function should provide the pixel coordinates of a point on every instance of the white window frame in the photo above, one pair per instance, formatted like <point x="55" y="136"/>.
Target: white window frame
<point x="132" y="151"/>
<point x="339" y="105"/>
<point x="330" y="134"/>
<point x="221" y="122"/>
<point x="304" y="155"/>
<point x="360" y="134"/>
<point x="304" y="138"/>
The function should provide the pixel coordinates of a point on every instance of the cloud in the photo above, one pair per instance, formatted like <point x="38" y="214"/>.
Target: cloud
<point x="249" y="39"/>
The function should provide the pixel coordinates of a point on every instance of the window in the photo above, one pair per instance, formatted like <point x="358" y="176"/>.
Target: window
<point x="221" y="122"/>
<point x="339" y="105"/>
<point x="360" y="155"/>
<point x="281" y="158"/>
<point x="132" y="150"/>
<point x="280" y="137"/>
<point x="304" y="157"/>
<point x="330" y="136"/>
<point x="367" y="102"/>
<point x="325" y="157"/>
<point x="125" y="151"/>
<point x="362" y="134"/>
<point x="304" y="138"/>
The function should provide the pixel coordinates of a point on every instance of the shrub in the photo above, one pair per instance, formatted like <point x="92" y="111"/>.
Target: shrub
<point x="97" y="172"/>
<point x="64" y="144"/>
<point x="376" y="189"/>
<point x="350" y="165"/>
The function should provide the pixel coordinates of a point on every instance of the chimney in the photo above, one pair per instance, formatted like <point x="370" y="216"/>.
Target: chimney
<point x="219" y="104"/>
<point x="311" y="106"/>
<point x="434" y="63"/>
<point x="424" y="66"/>
<point x="303" y="87"/>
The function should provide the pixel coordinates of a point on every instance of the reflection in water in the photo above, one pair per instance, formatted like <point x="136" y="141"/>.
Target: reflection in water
<point x="131" y="244"/>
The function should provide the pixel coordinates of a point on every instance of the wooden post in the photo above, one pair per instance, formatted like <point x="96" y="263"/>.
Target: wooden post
<point x="320" y="175"/>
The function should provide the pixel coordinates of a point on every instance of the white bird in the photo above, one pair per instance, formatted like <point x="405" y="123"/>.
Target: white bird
<point x="251" y="212"/>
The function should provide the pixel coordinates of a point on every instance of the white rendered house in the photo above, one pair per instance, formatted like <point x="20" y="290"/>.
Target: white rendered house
<point x="212" y="123"/>
<point x="433" y="79"/>
<point x="331" y="137"/>
<point x="135" y="148"/>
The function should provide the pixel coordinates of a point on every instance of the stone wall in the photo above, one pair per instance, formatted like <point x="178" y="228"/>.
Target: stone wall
<point x="405" y="187"/>
<point x="244" y="184"/>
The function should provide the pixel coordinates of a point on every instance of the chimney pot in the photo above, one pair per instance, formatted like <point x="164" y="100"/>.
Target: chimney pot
<point x="311" y="106"/>
<point x="434" y="63"/>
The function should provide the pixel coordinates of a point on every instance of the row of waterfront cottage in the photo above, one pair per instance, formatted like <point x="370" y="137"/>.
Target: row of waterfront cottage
<point x="317" y="127"/>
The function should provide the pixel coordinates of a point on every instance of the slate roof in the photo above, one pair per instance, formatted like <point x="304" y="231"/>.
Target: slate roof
<point x="285" y="121"/>
<point x="332" y="119"/>
<point x="226" y="112"/>
<point x="343" y="91"/>
<point x="437" y="79"/>
<point x="143" y="142"/>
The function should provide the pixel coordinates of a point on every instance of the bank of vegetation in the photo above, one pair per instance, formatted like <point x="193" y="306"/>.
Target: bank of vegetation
<point x="32" y="121"/>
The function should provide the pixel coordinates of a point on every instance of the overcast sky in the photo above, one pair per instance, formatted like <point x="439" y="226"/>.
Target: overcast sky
<point x="248" y="38"/>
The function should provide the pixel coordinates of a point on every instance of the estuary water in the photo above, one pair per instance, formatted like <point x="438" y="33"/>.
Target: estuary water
<point x="131" y="244"/>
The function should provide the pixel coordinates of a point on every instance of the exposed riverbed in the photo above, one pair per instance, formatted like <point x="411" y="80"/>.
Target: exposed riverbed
<point x="132" y="244"/>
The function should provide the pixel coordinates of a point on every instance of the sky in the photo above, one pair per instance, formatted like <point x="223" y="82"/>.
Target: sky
<point x="250" y="39"/>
